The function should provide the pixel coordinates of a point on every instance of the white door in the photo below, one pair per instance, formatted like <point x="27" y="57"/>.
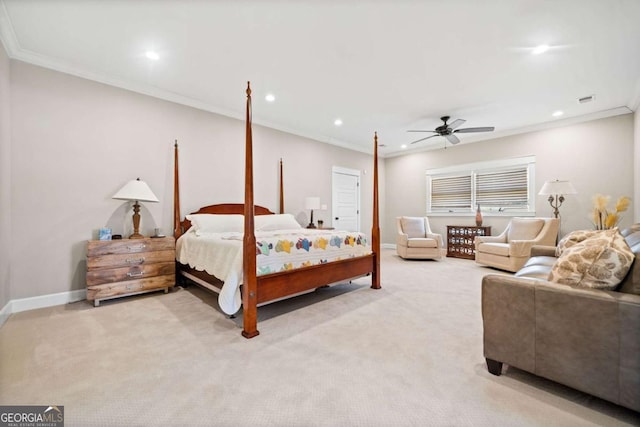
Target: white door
<point x="345" y="199"/>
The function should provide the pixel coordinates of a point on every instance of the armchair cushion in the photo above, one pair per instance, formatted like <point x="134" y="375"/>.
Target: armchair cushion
<point x="413" y="226"/>
<point x="524" y="228"/>
<point x="422" y="242"/>
<point x="601" y="261"/>
<point x="501" y="249"/>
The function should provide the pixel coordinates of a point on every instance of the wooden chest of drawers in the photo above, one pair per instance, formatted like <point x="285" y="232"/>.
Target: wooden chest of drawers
<point x="117" y="268"/>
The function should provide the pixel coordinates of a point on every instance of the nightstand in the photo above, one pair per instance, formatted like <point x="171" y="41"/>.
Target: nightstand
<point x="118" y="268"/>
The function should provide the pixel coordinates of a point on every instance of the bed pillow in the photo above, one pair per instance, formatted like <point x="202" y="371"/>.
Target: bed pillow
<point x="276" y="222"/>
<point x="600" y="262"/>
<point x="209" y="223"/>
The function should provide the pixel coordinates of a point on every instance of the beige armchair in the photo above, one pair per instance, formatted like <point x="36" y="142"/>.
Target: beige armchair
<point x="415" y="240"/>
<point x="512" y="248"/>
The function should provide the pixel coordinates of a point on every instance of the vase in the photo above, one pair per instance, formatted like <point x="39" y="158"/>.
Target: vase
<point x="478" y="217"/>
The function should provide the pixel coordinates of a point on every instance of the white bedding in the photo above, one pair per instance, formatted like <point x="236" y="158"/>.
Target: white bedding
<point x="220" y="254"/>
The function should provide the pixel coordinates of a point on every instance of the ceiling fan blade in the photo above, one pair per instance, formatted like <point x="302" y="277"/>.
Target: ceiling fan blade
<point x="470" y="130"/>
<point x="430" y="136"/>
<point x="422" y="131"/>
<point x="457" y="122"/>
<point x="452" y="139"/>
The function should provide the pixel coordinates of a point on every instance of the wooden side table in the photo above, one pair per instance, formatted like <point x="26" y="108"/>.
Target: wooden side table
<point x="118" y="268"/>
<point x="460" y="240"/>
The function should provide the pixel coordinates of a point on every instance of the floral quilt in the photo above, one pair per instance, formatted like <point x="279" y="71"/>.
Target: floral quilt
<point x="220" y="254"/>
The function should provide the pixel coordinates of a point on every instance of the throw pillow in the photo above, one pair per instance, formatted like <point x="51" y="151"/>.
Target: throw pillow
<point x="573" y="238"/>
<point x="524" y="228"/>
<point x="600" y="262"/>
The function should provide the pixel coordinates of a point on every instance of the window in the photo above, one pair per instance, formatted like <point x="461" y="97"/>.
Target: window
<point x="502" y="187"/>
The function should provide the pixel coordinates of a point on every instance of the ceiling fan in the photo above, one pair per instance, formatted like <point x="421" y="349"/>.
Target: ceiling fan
<point x="447" y="130"/>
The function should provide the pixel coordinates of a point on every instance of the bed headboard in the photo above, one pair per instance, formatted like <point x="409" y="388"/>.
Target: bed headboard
<point x="223" y="209"/>
<point x="180" y="226"/>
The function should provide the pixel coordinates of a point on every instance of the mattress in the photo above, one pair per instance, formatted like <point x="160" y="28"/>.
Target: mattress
<point x="220" y="254"/>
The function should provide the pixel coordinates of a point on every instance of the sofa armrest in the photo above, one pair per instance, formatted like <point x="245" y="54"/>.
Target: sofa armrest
<point x="541" y="250"/>
<point x="508" y="317"/>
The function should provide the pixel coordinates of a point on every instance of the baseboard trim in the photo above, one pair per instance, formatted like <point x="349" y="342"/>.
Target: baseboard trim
<point x="5" y="313"/>
<point x="42" y="301"/>
<point x="388" y="245"/>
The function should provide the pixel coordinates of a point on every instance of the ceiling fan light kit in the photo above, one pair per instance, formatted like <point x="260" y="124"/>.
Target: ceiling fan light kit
<point x="448" y="130"/>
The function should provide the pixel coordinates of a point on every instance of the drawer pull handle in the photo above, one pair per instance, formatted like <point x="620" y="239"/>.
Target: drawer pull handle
<point x="135" y="260"/>
<point x="136" y="247"/>
<point x="138" y="274"/>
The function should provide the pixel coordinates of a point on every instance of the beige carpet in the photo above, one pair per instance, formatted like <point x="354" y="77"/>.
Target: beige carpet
<point x="409" y="354"/>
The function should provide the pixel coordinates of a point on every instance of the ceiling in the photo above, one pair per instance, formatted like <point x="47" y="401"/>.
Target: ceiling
<point x="379" y="65"/>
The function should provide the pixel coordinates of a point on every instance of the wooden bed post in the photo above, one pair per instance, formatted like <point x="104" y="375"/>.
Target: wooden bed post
<point x="250" y="281"/>
<point x="281" y="189"/>
<point x="375" y="229"/>
<point x="177" y="228"/>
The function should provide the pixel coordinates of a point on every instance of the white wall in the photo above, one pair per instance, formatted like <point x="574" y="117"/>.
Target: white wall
<point x="76" y="142"/>
<point x="636" y="166"/>
<point x="596" y="156"/>
<point x="5" y="179"/>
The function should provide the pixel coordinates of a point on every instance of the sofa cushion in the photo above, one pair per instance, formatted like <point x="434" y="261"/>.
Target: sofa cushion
<point x="541" y="260"/>
<point x="534" y="271"/>
<point x="413" y="226"/>
<point x="600" y="261"/>
<point x="422" y="242"/>
<point x="524" y="228"/>
<point x="631" y="283"/>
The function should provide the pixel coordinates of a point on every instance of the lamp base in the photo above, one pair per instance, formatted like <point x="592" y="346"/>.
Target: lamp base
<point x="136" y="236"/>
<point x="311" y="225"/>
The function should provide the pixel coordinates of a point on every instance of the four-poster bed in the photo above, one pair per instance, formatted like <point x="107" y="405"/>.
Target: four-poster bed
<point x="259" y="286"/>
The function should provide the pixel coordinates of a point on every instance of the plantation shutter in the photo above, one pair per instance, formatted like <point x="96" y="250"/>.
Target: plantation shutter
<point x="451" y="193"/>
<point x="502" y="188"/>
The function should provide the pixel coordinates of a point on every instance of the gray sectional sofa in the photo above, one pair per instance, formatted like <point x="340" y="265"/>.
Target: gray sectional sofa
<point x="588" y="339"/>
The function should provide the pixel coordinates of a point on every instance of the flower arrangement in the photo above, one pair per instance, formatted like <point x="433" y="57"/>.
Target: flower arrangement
<point x="602" y="218"/>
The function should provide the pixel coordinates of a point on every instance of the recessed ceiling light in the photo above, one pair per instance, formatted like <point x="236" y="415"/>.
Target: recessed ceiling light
<point x="270" y="97"/>
<point x="557" y="113"/>
<point x="152" y="55"/>
<point x="403" y="146"/>
<point x="337" y="122"/>
<point x="540" y="49"/>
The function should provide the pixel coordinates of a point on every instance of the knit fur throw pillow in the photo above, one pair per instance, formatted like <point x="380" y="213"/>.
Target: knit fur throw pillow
<point x="600" y="261"/>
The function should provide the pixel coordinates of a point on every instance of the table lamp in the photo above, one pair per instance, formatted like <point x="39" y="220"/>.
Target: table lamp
<point x="556" y="191"/>
<point x="138" y="191"/>
<point x="312" y="203"/>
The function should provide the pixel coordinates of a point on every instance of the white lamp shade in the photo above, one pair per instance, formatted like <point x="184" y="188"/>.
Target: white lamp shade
<point x="136" y="190"/>
<point x="557" y="187"/>
<point x="312" y="203"/>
